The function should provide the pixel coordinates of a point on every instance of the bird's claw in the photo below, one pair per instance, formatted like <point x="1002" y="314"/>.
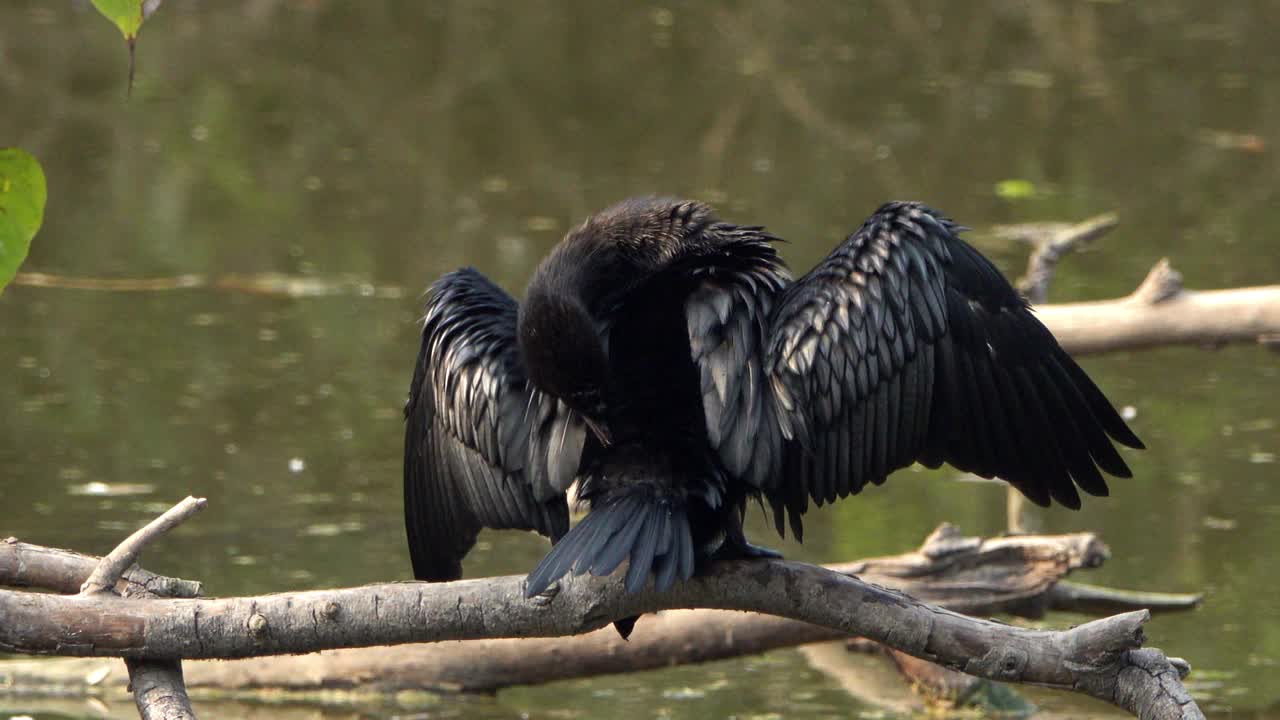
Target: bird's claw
<point x="545" y="597"/>
<point x="743" y="550"/>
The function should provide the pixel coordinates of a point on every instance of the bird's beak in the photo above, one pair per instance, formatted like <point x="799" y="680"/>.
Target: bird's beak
<point x="599" y="430"/>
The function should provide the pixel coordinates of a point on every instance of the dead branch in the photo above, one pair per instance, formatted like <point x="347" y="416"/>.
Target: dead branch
<point x="1050" y="243"/>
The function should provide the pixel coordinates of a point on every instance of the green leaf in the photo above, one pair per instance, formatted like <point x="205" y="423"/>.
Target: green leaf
<point x="126" y="14"/>
<point x="22" y="195"/>
<point x="1015" y="189"/>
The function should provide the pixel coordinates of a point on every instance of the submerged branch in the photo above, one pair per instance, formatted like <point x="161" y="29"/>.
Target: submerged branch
<point x="1097" y="600"/>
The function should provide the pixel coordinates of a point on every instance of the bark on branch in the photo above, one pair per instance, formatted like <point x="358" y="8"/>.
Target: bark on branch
<point x="1097" y="658"/>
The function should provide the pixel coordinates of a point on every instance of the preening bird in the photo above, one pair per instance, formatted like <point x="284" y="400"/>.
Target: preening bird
<point x="667" y="362"/>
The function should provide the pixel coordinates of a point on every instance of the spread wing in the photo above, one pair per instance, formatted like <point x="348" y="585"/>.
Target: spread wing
<point x="482" y="447"/>
<point x="907" y="345"/>
<point x="903" y="345"/>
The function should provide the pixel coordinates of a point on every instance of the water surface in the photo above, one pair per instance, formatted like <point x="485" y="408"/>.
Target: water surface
<point x="376" y="146"/>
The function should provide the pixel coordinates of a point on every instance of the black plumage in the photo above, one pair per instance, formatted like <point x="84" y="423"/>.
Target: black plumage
<point x="666" y="361"/>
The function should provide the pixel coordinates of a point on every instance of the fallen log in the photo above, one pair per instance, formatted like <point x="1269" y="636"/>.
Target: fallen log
<point x="1162" y="312"/>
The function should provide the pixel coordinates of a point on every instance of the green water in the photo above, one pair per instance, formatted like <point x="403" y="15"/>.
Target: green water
<point x="383" y="144"/>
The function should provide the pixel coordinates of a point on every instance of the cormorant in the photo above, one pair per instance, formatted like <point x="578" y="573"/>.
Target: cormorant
<point x="666" y="361"/>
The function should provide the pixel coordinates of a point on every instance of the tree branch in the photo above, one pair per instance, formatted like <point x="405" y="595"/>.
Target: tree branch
<point x="1093" y="658"/>
<point x="157" y="685"/>
<point x="158" y="690"/>
<point x="108" y="572"/>
<point x="977" y="576"/>
<point x="65" y="571"/>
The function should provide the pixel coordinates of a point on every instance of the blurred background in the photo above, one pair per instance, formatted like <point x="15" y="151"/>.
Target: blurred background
<point x="360" y="150"/>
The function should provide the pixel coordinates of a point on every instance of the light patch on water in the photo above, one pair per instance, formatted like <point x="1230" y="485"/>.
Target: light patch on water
<point x="71" y="473"/>
<point x="297" y="465"/>
<point x="1262" y="458"/>
<point x="312" y="498"/>
<point x="332" y="529"/>
<point x="98" y="488"/>
<point x="541" y="223"/>
<point x="684" y="693"/>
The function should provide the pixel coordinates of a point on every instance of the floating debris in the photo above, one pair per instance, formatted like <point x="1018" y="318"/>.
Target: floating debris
<point x="1230" y="140"/>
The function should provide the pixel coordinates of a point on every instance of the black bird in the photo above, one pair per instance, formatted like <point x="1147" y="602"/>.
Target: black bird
<point x="666" y="361"/>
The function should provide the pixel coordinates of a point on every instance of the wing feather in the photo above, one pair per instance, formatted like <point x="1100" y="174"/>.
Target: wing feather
<point x="473" y="426"/>
<point x="726" y="316"/>
<point x="907" y="345"/>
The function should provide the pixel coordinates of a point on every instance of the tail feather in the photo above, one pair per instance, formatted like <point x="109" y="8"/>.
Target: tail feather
<point x="652" y="533"/>
<point x="670" y="562"/>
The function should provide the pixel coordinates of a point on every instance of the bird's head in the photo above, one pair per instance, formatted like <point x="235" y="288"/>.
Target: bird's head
<point x="564" y="355"/>
<point x="576" y="290"/>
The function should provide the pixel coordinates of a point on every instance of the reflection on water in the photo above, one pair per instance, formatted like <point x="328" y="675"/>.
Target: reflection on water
<point x="389" y="143"/>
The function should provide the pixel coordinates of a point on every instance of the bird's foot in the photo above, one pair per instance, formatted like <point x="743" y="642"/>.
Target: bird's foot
<point x="743" y="550"/>
<point x="545" y="597"/>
